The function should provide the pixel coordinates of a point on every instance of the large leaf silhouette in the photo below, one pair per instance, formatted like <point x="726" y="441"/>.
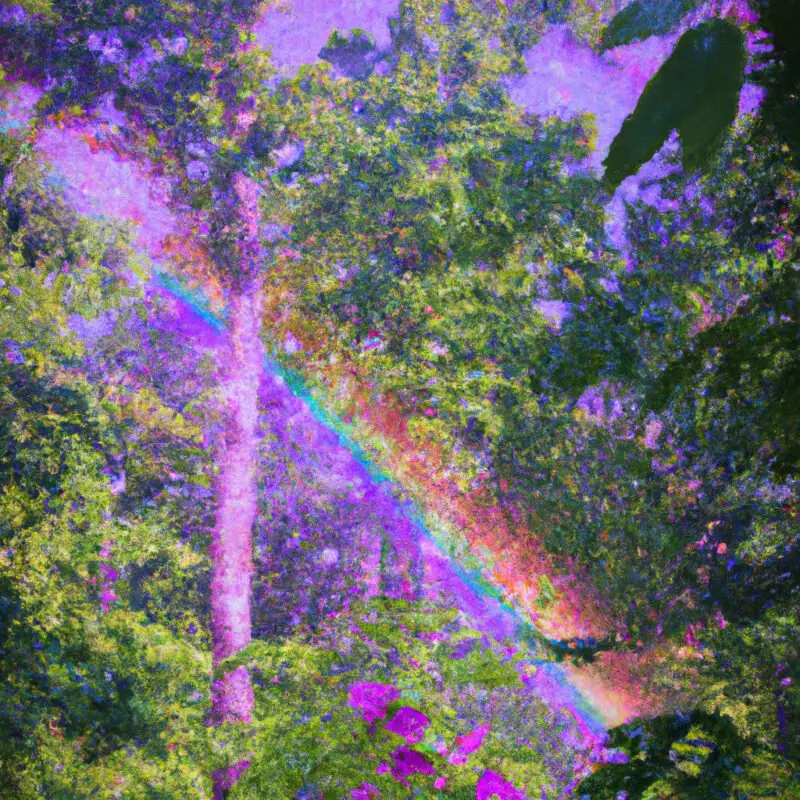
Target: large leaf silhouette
<point x="695" y="92"/>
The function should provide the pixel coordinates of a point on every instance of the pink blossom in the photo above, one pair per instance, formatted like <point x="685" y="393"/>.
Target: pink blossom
<point x="554" y="311"/>
<point x="433" y="636"/>
<point x="408" y="762"/>
<point x="690" y="637"/>
<point x="288" y="154"/>
<point x="108" y="572"/>
<point x="289" y="252"/>
<point x="440" y="783"/>
<point x="409" y="723"/>
<point x="371" y="698"/>
<point x="740" y="11"/>
<point x="227" y="777"/>
<point x="245" y="119"/>
<point x="468" y="743"/>
<point x="373" y="342"/>
<point x="652" y="432"/>
<point x="491" y="785"/>
<point x="107" y="597"/>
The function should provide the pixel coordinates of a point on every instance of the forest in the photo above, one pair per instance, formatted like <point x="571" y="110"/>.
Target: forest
<point x="399" y="399"/>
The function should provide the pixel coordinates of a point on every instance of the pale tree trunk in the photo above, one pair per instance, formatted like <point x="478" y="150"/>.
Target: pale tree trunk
<point x="231" y="549"/>
<point x="236" y="483"/>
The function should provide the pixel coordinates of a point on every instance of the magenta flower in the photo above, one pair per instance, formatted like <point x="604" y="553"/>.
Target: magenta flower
<point x="108" y="572"/>
<point x="371" y="698"/>
<point x="468" y="743"/>
<point x="107" y="597"/>
<point x="492" y="785"/>
<point x="408" y="762"/>
<point x="227" y="777"/>
<point x="409" y="723"/>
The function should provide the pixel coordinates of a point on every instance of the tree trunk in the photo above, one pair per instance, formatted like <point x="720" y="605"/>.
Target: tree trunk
<point x="236" y="484"/>
<point x="231" y="549"/>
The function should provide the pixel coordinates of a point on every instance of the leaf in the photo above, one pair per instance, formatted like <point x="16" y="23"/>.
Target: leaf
<point x="695" y="92"/>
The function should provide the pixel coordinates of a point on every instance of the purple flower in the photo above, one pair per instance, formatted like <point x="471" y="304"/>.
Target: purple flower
<point x="462" y="649"/>
<point x="177" y="46"/>
<point x="108" y="45"/>
<point x="409" y="723"/>
<point x="109" y="573"/>
<point x="288" y="154"/>
<point x="371" y="698"/>
<point x="198" y="171"/>
<point x="291" y="345"/>
<point x="13" y="15"/>
<point x="468" y="743"/>
<point x="225" y="778"/>
<point x="408" y="762"/>
<point x="554" y="311"/>
<point x="107" y="597"/>
<point x="491" y="785"/>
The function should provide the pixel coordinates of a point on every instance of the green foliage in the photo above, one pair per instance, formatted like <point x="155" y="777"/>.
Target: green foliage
<point x="779" y="70"/>
<point x="650" y="434"/>
<point x="642" y="19"/>
<point x="93" y="702"/>
<point x="700" y="755"/>
<point x="306" y="734"/>
<point x="759" y="355"/>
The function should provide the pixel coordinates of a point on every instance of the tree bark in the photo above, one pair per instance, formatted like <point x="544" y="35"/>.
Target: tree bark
<point x="236" y="483"/>
<point x="236" y="490"/>
<point x="231" y="550"/>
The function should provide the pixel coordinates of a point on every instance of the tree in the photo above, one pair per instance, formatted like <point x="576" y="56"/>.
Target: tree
<point x="185" y="76"/>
